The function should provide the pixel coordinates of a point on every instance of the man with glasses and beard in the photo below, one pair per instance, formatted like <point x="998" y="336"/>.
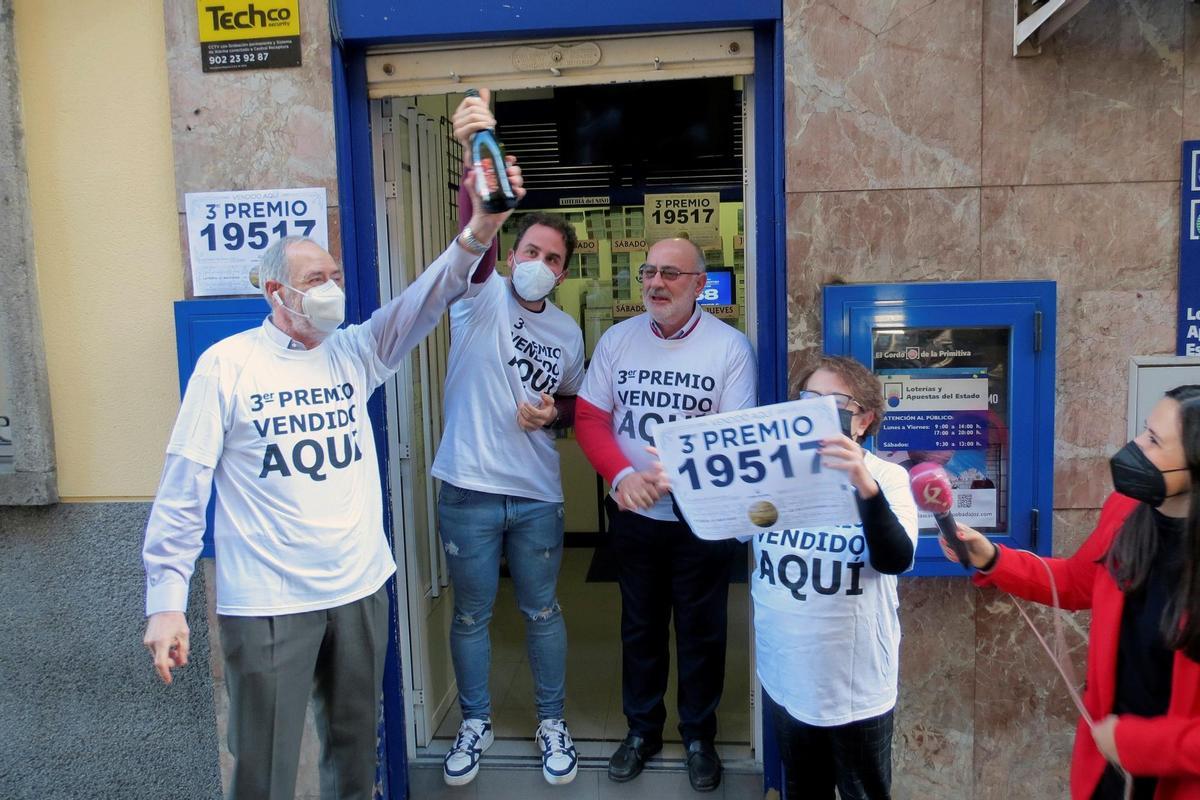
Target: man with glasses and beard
<point x="673" y="362"/>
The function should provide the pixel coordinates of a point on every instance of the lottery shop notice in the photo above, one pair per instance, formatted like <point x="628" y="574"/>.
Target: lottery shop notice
<point x="746" y="472"/>
<point x="229" y="231"/>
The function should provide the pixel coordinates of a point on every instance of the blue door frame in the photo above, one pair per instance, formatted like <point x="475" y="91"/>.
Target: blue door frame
<point x="1027" y="309"/>
<point x="359" y="24"/>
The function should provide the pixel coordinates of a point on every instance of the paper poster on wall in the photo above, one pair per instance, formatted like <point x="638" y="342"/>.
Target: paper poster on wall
<point x="945" y="401"/>
<point x="744" y="472"/>
<point x="692" y="215"/>
<point x="228" y="232"/>
<point x="248" y="34"/>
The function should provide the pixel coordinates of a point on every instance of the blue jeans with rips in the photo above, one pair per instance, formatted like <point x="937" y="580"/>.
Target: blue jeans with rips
<point x="475" y="528"/>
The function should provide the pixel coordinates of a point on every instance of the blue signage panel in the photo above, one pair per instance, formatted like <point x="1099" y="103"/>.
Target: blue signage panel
<point x="944" y="430"/>
<point x="718" y="289"/>
<point x="1187" y="341"/>
<point x="967" y="375"/>
<point x="371" y="21"/>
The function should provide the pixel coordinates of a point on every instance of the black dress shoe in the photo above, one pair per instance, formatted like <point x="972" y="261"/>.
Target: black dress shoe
<point x="627" y="762"/>
<point x="703" y="765"/>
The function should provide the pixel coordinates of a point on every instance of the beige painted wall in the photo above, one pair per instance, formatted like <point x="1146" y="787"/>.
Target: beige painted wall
<point x="106" y="239"/>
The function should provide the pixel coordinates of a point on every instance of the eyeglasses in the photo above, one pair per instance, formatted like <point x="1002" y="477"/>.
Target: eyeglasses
<point x="668" y="274"/>
<point x="841" y="400"/>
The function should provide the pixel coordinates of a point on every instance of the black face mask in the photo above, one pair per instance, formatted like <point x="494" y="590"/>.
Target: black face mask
<point x="845" y="416"/>
<point x="1134" y="475"/>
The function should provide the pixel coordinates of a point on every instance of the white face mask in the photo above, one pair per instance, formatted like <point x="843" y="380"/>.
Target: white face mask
<point x="533" y="280"/>
<point x="324" y="306"/>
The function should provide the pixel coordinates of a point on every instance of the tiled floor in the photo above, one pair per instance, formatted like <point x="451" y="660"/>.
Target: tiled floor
<point x="425" y="783"/>
<point x="593" y="712"/>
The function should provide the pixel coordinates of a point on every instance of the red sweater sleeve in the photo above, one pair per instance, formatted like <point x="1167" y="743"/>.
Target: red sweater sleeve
<point x="487" y="265"/>
<point x="1018" y="571"/>
<point x="1167" y="745"/>
<point x="593" y="429"/>
<point x="565" y="403"/>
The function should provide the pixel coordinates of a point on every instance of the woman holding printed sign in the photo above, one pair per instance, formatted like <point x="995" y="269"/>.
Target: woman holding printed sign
<point x="1139" y="573"/>
<point x="825" y="619"/>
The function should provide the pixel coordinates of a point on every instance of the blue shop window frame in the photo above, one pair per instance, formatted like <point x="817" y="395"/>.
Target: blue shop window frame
<point x="358" y="24"/>
<point x="199" y="324"/>
<point x="1027" y="309"/>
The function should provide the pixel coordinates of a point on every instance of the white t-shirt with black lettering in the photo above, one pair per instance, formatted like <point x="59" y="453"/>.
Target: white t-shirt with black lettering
<point x="827" y="632"/>
<point x="643" y="380"/>
<point x="299" y="517"/>
<point x="501" y="353"/>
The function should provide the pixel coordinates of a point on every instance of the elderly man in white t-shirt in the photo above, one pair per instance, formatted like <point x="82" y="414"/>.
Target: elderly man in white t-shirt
<point x="674" y="362"/>
<point x="516" y="362"/>
<point x="275" y="419"/>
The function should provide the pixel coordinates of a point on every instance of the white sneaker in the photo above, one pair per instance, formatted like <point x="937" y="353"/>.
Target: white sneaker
<point x="559" y="759"/>
<point x="462" y="761"/>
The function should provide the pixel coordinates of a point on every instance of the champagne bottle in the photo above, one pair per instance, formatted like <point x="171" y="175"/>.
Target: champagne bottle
<point x="491" y="177"/>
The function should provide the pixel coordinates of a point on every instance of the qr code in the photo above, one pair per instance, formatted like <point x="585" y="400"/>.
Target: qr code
<point x="962" y="500"/>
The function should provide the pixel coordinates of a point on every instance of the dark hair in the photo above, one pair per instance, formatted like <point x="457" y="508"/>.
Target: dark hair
<point x="1132" y="551"/>
<point x="558" y="223"/>
<point x="864" y="386"/>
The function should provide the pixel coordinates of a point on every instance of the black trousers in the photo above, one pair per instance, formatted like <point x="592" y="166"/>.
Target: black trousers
<point x="663" y="569"/>
<point x="1112" y="786"/>
<point x="856" y="757"/>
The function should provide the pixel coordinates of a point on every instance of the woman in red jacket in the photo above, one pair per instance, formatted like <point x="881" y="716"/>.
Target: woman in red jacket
<point x="1139" y="572"/>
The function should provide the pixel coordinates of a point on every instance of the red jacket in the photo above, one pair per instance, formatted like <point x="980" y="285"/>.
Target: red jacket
<point x="1168" y="746"/>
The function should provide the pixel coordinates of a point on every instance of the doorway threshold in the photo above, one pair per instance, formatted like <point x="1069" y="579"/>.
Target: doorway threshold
<point x="512" y="769"/>
<point x="593" y="754"/>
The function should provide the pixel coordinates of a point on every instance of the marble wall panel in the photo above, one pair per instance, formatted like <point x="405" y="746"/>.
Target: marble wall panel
<point x="251" y="129"/>
<point x="866" y="88"/>
<point x="1112" y="250"/>
<point x="799" y="362"/>
<point x="873" y="237"/>
<point x="1072" y="527"/>
<point x="1098" y="331"/>
<point x="1191" y="71"/>
<point x="934" y="738"/>
<point x="1103" y="101"/>
<point x="1024" y="718"/>
<point x="1091" y="237"/>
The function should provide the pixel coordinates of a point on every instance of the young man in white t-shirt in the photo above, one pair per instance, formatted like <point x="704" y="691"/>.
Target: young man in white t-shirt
<point x="275" y="419"/>
<point x="516" y="362"/>
<point x="673" y="362"/>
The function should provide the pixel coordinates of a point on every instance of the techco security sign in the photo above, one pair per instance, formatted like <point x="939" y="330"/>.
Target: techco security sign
<point x="249" y="34"/>
<point x="1187" y="341"/>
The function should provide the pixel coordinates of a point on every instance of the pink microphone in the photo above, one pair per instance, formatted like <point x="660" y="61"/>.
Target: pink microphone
<point x="931" y="490"/>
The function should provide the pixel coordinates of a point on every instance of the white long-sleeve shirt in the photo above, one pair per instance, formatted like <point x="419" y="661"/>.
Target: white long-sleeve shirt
<point x="284" y="435"/>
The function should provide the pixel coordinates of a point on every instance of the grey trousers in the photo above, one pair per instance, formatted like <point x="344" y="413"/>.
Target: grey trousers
<point x="273" y="665"/>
